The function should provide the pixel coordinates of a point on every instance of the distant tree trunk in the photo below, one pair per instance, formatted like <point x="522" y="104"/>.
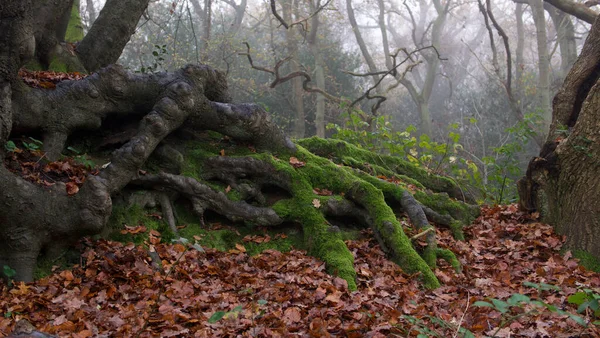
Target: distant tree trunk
<point x="240" y="12"/>
<point x="297" y="90"/>
<point x="361" y="41"/>
<point x="205" y="14"/>
<point x="562" y="182"/>
<point x="543" y="90"/>
<point x="520" y="65"/>
<point x="565" y="34"/>
<point x="313" y="42"/>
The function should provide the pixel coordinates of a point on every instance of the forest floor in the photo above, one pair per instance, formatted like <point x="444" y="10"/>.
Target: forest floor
<point x="116" y="291"/>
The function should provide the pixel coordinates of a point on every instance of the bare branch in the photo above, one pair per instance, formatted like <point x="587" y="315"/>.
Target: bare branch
<point x="297" y="22"/>
<point x="581" y="11"/>
<point x="279" y="18"/>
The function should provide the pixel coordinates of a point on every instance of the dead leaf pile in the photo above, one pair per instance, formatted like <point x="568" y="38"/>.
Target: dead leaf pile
<point x="33" y="166"/>
<point x="119" y="292"/>
<point x="47" y="79"/>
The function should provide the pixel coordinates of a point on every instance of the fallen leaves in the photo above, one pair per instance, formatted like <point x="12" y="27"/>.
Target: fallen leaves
<point x="316" y="203"/>
<point x="296" y="163"/>
<point x="47" y="79"/>
<point x="118" y="293"/>
<point x="32" y="165"/>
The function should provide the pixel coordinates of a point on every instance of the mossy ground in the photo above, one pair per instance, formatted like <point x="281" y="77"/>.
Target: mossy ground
<point x="305" y="225"/>
<point x="587" y="260"/>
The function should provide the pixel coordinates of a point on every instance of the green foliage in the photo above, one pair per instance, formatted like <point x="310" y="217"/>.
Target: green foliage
<point x="256" y="308"/>
<point x="424" y="329"/>
<point x="9" y="273"/>
<point x="82" y="159"/>
<point x="158" y="57"/>
<point x="492" y="177"/>
<point x="587" y="260"/>
<point x="586" y="300"/>
<point x="10" y="146"/>
<point x="532" y="307"/>
<point x="33" y="145"/>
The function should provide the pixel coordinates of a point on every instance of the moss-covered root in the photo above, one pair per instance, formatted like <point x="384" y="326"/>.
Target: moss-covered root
<point x="388" y="230"/>
<point x="322" y="240"/>
<point x="449" y="257"/>
<point x="343" y="152"/>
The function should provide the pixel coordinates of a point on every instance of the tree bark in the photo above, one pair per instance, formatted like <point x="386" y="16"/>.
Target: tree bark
<point x="565" y="34"/>
<point x="562" y="182"/>
<point x="110" y="33"/>
<point x="578" y="10"/>
<point x="313" y="42"/>
<point x="297" y="91"/>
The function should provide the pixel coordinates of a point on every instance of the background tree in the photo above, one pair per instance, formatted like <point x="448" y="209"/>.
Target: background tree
<point x="561" y="182"/>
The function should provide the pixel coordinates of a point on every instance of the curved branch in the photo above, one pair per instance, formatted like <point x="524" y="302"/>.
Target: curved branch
<point x="110" y="33"/>
<point x="578" y="10"/>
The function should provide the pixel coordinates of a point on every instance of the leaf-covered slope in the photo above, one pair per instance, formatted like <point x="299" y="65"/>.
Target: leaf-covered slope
<point x="119" y="293"/>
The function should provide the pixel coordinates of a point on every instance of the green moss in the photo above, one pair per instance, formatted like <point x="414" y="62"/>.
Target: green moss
<point x="457" y="230"/>
<point x="134" y="216"/>
<point x="340" y="151"/>
<point x="449" y="257"/>
<point x="587" y="260"/>
<point x="57" y="65"/>
<point x="320" y="172"/>
<point x="34" y="65"/>
<point x="443" y="204"/>
<point x="75" y="28"/>
<point x="320" y="239"/>
<point x="47" y="266"/>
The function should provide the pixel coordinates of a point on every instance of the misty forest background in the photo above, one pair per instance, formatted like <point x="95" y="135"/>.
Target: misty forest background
<point x="454" y="105"/>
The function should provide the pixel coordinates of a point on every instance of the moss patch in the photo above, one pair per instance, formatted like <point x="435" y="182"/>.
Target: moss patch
<point x="75" y="28"/>
<point x="587" y="260"/>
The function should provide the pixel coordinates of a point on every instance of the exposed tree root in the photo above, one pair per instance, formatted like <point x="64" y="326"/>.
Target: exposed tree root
<point x="231" y="182"/>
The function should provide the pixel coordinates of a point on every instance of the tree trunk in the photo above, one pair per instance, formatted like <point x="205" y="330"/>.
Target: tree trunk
<point x="297" y="90"/>
<point x="543" y="89"/>
<point x="565" y="34"/>
<point x="562" y="182"/>
<point x="110" y="33"/>
<point x="313" y="42"/>
<point x="520" y="65"/>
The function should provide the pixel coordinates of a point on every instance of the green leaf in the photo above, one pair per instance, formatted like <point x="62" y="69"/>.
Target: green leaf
<point x="466" y="333"/>
<point x="579" y="320"/>
<point x="500" y="305"/>
<point x="10" y="146"/>
<point x="481" y="303"/>
<point x="531" y="285"/>
<point x="8" y="271"/>
<point x="237" y="309"/>
<point x="216" y="317"/>
<point x="261" y="302"/>
<point x="582" y="307"/>
<point x="73" y="150"/>
<point x="36" y="141"/>
<point x="594" y="304"/>
<point x="198" y="247"/>
<point x="517" y="298"/>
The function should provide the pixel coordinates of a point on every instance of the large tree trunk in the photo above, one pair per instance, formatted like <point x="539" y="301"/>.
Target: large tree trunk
<point x="562" y="183"/>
